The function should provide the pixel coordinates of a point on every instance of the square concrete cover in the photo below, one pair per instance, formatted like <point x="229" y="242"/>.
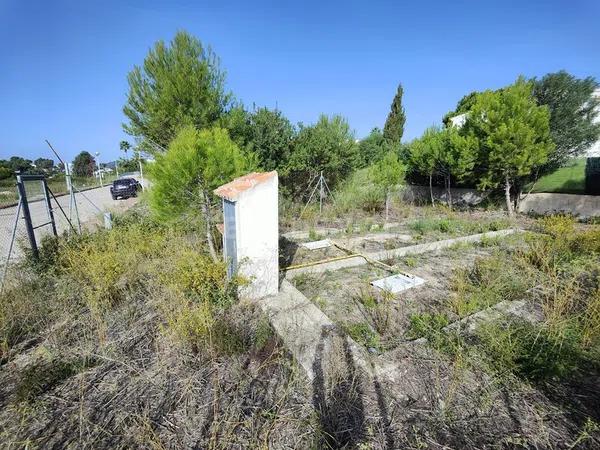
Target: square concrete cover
<point x="315" y="245"/>
<point x="398" y="283"/>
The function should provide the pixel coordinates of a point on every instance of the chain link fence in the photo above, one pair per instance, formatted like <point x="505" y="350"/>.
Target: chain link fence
<point x="30" y="210"/>
<point x="12" y="227"/>
<point x="52" y="209"/>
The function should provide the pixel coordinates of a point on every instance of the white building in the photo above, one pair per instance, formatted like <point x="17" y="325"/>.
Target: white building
<point x="594" y="150"/>
<point x="459" y="120"/>
<point x="251" y="231"/>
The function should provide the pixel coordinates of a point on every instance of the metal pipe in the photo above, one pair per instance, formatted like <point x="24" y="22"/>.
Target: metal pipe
<point x="316" y="263"/>
<point x="375" y="262"/>
<point x="49" y="207"/>
<point x="27" y="216"/>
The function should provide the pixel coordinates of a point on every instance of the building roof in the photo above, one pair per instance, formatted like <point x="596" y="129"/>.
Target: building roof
<point x="233" y="189"/>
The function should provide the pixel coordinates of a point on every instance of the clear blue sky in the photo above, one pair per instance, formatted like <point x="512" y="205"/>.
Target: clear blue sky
<point x="64" y="63"/>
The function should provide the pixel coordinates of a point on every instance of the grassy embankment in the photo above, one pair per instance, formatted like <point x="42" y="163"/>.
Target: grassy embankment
<point x="566" y="180"/>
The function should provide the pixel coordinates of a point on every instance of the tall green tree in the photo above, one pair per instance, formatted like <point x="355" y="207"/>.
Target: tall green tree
<point x="178" y="84"/>
<point x="44" y="164"/>
<point x="424" y="154"/>
<point x="456" y="157"/>
<point x="372" y="148"/>
<point x="464" y="105"/>
<point x="272" y="136"/>
<point x="513" y="133"/>
<point x="84" y="165"/>
<point x="394" y="124"/>
<point x="124" y="146"/>
<point x="237" y="123"/>
<point x="327" y="146"/>
<point x="573" y="112"/>
<point x="184" y="177"/>
<point x="388" y="173"/>
<point x="17" y="163"/>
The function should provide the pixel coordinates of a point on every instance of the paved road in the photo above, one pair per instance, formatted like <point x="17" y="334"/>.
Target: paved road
<point x="91" y="204"/>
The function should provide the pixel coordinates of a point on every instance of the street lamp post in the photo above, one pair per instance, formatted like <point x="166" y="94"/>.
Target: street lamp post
<point x="99" y="168"/>
<point x="139" y="157"/>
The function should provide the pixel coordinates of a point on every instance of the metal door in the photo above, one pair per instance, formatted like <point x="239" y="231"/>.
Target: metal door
<point x="230" y="236"/>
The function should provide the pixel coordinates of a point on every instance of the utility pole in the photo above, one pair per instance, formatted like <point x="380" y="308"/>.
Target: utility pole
<point x="321" y="192"/>
<point x="141" y="169"/>
<point x="99" y="168"/>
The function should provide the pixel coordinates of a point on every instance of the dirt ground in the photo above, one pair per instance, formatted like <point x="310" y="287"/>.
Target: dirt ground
<point x="344" y="295"/>
<point x="371" y="234"/>
<point x="440" y="401"/>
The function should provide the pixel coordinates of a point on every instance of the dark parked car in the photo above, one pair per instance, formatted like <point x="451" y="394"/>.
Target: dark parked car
<point x="124" y="188"/>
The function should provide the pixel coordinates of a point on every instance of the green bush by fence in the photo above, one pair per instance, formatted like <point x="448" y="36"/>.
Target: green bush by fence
<point x="592" y="176"/>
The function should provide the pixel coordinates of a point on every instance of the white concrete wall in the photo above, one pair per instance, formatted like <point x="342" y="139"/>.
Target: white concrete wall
<point x="584" y="206"/>
<point x="257" y="238"/>
<point x="594" y="150"/>
<point x="460" y="196"/>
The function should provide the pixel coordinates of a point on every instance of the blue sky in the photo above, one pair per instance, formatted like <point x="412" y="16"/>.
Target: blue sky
<point x="64" y="63"/>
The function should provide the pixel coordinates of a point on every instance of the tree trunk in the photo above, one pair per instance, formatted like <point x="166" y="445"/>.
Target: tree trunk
<point x="431" y="187"/>
<point x="209" y="230"/>
<point x="517" y="202"/>
<point x="448" y="192"/>
<point x="509" y="205"/>
<point x="387" y="205"/>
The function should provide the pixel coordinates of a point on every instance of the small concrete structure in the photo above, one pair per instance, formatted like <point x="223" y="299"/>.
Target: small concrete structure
<point x="316" y="245"/>
<point x="251" y="231"/>
<point x="398" y="283"/>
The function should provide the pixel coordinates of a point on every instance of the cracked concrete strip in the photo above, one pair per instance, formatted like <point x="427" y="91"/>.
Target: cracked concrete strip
<point x="306" y="330"/>
<point x="301" y="325"/>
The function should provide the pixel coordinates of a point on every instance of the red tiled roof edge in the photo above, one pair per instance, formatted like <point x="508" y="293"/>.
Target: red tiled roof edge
<point x="231" y="190"/>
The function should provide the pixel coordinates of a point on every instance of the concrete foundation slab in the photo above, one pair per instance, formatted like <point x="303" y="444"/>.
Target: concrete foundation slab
<point x="398" y="283"/>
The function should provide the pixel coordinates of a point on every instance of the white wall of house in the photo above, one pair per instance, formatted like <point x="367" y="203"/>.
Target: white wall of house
<point x="459" y="121"/>
<point x="594" y="150"/>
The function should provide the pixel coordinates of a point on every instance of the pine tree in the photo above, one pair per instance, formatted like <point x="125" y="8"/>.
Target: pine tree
<point x="394" y="125"/>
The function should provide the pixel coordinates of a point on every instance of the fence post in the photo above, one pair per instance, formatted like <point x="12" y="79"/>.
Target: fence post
<point x="49" y="207"/>
<point x="27" y="217"/>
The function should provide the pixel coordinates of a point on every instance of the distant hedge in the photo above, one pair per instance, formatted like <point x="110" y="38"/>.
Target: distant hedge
<point x="592" y="176"/>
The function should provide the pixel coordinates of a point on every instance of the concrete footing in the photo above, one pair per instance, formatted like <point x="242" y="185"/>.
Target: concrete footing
<point x="399" y="252"/>
<point x="303" y="327"/>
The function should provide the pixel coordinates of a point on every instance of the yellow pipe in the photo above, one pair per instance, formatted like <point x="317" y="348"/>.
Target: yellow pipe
<point x="316" y="263"/>
<point x="373" y="261"/>
<point x="339" y="258"/>
<point x="365" y="257"/>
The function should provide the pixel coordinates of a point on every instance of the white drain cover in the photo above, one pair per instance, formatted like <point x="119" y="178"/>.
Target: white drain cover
<point x="398" y="283"/>
<point x="316" y="244"/>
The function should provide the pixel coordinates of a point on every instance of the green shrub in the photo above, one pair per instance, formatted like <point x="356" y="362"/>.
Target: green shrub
<point x="359" y="193"/>
<point x="363" y="334"/>
<point x="533" y="352"/>
<point x="426" y="325"/>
